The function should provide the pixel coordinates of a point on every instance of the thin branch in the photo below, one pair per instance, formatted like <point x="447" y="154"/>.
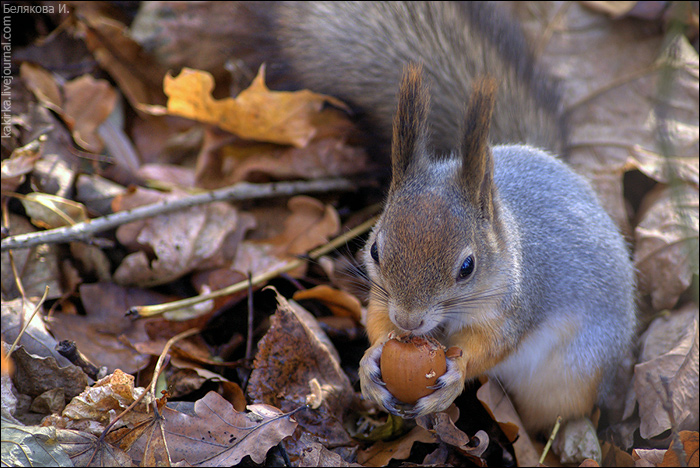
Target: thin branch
<point x="156" y="309"/>
<point x="241" y="191"/>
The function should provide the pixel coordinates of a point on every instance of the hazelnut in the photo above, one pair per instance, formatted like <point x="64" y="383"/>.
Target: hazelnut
<point x="411" y="364"/>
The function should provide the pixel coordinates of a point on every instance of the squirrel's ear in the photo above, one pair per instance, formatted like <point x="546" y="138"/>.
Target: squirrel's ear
<point x="477" y="159"/>
<point x="410" y="132"/>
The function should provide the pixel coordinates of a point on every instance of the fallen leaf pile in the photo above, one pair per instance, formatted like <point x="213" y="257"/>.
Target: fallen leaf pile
<point x="113" y="109"/>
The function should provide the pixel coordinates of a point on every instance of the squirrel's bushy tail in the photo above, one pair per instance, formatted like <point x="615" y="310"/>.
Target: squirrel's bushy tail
<point x="357" y="52"/>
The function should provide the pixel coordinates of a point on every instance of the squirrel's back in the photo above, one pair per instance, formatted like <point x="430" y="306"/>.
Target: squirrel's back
<point x="356" y="51"/>
<point x="577" y="275"/>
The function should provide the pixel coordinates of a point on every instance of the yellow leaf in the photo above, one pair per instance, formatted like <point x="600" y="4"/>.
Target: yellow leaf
<point x="256" y="114"/>
<point x="50" y="211"/>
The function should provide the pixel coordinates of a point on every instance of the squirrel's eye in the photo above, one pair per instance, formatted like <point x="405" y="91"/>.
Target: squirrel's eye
<point x="374" y="252"/>
<point x="467" y="267"/>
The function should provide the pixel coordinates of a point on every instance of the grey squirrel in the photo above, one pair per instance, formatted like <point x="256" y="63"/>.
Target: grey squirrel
<point x="486" y="242"/>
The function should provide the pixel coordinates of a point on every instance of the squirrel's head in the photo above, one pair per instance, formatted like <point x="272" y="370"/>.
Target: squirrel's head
<point x="437" y="243"/>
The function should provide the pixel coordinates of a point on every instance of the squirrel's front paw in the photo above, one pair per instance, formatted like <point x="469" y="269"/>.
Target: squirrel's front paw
<point x="448" y="387"/>
<point x="371" y="383"/>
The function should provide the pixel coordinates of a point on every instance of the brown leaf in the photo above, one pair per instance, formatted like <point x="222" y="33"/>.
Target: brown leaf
<point x="19" y="164"/>
<point x="35" y="375"/>
<point x="667" y="244"/>
<point x="652" y="457"/>
<point x="107" y="397"/>
<point x="255" y="114"/>
<point x="310" y="225"/>
<point x="341" y="303"/>
<point x="442" y="424"/>
<point x="103" y="335"/>
<point x="382" y="452"/>
<point x="83" y="103"/>
<point x="200" y="237"/>
<point x="86" y="449"/>
<point x="168" y="175"/>
<point x="42" y="83"/>
<point x="689" y="439"/>
<point x="138" y="75"/>
<point x="50" y="211"/>
<point x="614" y="85"/>
<point x="667" y="169"/>
<point x="501" y="409"/>
<point x="292" y="353"/>
<point x="215" y="434"/>
<point x="327" y="157"/>
<point x="315" y="454"/>
<point x="37" y="267"/>
<point x="614" y="456"/>
<point x="670" y="353"/>
<point x="88" y="103"/>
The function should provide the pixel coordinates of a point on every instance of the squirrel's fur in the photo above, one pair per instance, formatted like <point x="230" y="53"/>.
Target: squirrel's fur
<point x="501" y="250"/>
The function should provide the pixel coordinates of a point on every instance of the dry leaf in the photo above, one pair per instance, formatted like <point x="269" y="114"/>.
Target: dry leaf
<point x="667" y="244"/>
<point x="99" y="403"/>
<point x="292" y="353"/>
<point x="36" y="338"/>
<point x="37" y="267"/>
<point x="139" y="77"/>
<point x="341" y="303"/>
<point x="648" y="457"/>
<point x="19" y="164"/>
<point x="315" y="454"/>
<point x="86" y="449"/>
<point x="42" y="83"/>
<point x="255" y="114"/>
<point x="612" y="90"/>
<point x="689" y="439"/>
<point x="215" y="434"/>
<point x="382" y="452"/>
<point x="665" y="169"/>
<point x="200" y="237"/>
<point x="328" y="157"/>
<point x="670" y="352"/>
<point x="501" y="409"/>
<point x="88" y="103"/>
<point x="310" y="225"/>
<point x="35" y="375"/>
<point x="104" y="333"/>
<point x="614" y="456"/>
<point x="83" y="103"/>
<point x="168" y="175"/>
<point x="50" y="211"/>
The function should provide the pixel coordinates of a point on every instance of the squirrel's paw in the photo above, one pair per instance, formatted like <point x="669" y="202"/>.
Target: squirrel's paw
<point x="448" y="387"/>
<point x="373" y="387"/>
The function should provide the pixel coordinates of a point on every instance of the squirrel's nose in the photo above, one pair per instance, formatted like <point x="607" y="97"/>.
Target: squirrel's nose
<point x="407" y="322"/>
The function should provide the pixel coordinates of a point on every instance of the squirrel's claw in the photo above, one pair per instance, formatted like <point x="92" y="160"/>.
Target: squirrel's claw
<point x="373" y="387"/>
<point x="448" y="387"/>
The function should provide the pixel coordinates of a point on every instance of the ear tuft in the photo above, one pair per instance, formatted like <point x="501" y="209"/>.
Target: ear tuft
<point x="410" y="132"/>
<point x="477" y="159"/>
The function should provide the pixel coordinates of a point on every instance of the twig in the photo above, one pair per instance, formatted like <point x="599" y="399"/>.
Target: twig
<point x="24" y="328"/>
<point x="241" y="191"/>
<point x="148" y="311"/>
<point x="159" y="365"/>
<point x="551" y="439"/>
<point x="249" y="337"/>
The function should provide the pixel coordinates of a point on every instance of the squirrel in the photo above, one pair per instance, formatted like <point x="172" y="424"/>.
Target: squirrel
<point x="487" y="240"/>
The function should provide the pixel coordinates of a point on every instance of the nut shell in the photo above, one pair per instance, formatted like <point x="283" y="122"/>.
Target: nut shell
<point x="410" y="365"/>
